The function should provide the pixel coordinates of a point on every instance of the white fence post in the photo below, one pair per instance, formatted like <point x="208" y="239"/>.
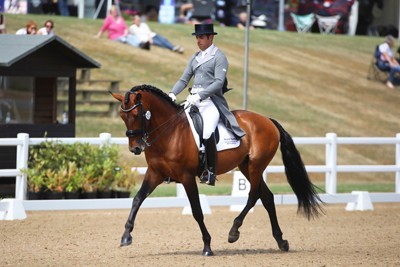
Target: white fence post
<point x="398" y="163"/>
<point x="22" y="163"/>
<point x="331" y="163"/>
<point x="105" y="138"/>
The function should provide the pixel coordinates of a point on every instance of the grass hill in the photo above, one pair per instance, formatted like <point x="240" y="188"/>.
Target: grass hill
<point x="311" y="83"/>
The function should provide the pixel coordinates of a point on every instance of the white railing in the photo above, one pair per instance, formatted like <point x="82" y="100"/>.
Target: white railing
<point x="331" y="168"/>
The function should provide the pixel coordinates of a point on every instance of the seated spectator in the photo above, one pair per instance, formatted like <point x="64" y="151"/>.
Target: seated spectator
<point x="29" y="29"/>
<point x="47" y="29"/>
<point x="2" y="22"/>
<point x="387" y="60"/>
<point x="241" y="20"/>
<point x="142" y="31"/>
<point x="185" y="12"/>
<point x="117" y="30"/>
<point x="187" y="15"/>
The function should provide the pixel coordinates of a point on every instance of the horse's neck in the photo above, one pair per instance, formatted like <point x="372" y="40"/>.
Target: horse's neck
<point x="166" y="120"/>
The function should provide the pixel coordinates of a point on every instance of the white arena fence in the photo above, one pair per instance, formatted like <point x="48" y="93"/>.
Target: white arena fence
<point x="11" y="209"/>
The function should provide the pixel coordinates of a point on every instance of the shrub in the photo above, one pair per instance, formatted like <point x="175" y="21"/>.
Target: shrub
<point x="73" y="167"/>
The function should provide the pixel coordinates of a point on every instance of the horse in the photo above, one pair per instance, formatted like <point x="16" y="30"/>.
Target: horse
<point x="159" y="127"/>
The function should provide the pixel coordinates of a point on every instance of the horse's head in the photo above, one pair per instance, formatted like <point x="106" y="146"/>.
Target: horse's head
<point x="135" y="118"/>
<point x="137" y="107"/>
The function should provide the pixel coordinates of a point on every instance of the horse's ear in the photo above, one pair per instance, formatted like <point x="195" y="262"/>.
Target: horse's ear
<point x="138" y="97"/>
<point x="119" y="97"/>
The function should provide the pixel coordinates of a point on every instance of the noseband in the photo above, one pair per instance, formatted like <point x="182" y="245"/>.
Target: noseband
<point x="144" y="116"/>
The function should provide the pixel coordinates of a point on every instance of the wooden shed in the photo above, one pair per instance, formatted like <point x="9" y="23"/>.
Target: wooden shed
<point x="31" y="68"/>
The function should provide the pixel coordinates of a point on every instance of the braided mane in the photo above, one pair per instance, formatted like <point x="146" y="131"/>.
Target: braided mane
<point x="153" y="90"/>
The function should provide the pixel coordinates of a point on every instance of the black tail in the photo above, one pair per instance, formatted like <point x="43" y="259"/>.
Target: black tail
<point x="308" y="199"/>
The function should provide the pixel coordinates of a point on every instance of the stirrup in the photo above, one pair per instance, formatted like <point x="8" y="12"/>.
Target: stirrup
<point x="208" y="177"/>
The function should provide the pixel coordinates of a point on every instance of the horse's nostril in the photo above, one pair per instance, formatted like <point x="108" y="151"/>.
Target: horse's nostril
<point x="135" y="150"/>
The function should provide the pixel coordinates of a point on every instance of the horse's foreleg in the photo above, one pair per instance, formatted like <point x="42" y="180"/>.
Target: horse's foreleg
<point x="234" y="232"/>
<point x="193" y="195"/>
<point x="141" y="195"/>
<point x="267" y="198"/>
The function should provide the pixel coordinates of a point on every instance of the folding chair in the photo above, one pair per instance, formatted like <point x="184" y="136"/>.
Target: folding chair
<point x="303" y="23"/>
<point x="327" y="25"/>
<point x="374" y="72"/>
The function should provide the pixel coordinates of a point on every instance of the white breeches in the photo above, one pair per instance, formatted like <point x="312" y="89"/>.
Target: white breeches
<point x="210" y="116"/>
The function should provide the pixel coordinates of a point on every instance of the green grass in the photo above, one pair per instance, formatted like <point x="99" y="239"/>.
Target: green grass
<point x="169" y="190"/>
<point x="312" y="84"/>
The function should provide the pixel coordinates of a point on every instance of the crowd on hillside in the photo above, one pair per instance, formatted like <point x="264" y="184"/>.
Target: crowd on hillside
<point x="138" y="34"/>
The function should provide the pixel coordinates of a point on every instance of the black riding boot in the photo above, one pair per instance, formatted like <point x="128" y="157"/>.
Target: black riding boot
<point x="209" y="175"/>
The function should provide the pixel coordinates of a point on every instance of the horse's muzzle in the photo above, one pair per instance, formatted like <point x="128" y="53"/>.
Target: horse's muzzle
<point x="135" y="150"/>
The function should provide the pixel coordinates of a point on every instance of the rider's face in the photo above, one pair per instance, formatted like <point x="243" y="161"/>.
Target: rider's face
<point x="204" y="41"/>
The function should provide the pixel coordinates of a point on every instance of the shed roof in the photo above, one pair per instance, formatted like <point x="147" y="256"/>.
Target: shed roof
<point x="14" y="48"/>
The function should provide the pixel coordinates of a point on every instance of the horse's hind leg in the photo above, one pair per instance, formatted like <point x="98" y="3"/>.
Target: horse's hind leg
<point x="267" y="198"/>
<point x="193" y="195"/>
<point x="254" y="195"/>
<point x="234" y="232"/>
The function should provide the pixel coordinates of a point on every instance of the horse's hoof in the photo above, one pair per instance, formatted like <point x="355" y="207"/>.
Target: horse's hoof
<point x="284" y="245"/>
<point x="233" y="237"/>
<point x="126" y="241"/>
<point x="208" y="253"/>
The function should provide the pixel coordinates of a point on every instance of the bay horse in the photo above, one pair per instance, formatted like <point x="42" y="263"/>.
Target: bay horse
<point x="159" y="127"/>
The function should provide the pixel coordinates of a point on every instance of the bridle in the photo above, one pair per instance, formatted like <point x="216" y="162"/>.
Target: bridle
<point x="146" y="116"/>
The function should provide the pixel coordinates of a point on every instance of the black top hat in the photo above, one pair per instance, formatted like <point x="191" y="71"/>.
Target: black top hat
<point x="204" y="29"/>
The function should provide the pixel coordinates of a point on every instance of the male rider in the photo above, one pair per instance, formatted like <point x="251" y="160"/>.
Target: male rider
<point x="209" y="67"/>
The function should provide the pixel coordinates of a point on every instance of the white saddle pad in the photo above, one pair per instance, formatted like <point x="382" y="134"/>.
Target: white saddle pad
<point x="226" y="139"/>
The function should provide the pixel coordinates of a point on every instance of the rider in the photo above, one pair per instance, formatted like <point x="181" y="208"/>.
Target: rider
<point x="209" y="67"/>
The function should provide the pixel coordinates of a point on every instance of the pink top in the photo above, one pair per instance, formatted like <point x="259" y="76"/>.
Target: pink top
<point x="115" y="27"/>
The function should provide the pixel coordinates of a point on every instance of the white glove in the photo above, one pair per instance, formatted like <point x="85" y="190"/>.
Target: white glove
<point x="193" y="99"/>
<point x="172" y="96"/>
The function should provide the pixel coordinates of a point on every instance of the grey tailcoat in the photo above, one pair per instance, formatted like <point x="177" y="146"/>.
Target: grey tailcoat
<point x="209" y="74"/>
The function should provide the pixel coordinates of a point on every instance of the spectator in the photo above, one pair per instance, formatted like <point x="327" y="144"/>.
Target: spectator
<point x="142" y="31"/>
<point x="63" y="7"/>
<point x="29" y="29"/>
<point x="387" y="60"/>
<point x="117" y="30"/>
<point x="241" y="21"/>
<point x="188" y="14"/>
<point x="47" y="29"/>
<point x="3" y="28"/>
<point x="185" y="12"/>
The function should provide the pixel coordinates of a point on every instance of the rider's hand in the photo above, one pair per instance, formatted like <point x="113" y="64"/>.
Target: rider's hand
<point x="172" y="96"/>
<point x="193" y="99"/>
